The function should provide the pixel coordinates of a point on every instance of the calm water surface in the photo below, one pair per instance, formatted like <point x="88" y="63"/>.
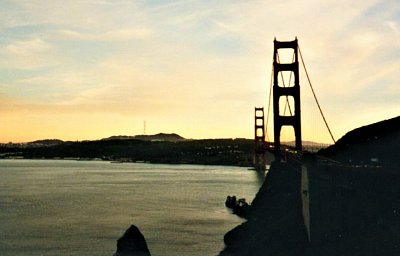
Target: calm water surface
<point x="81" y="208"/>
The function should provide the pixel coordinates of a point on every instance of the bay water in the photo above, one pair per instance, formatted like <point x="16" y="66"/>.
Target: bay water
<point x="67" y="207"/>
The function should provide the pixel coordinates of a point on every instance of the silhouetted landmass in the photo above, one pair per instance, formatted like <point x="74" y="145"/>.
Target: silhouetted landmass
<point x="309" y="146"/>
<point x="45" y="143"/>
<point x="171" y="137"/>
<point x="353" y="211"/>
<point x="237" y="152"/>
<point x="274" y="225"/>
<point x="120" y="137"/>
<point x="376" y="144"/>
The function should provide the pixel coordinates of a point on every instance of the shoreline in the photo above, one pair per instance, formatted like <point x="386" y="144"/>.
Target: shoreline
<point x="124" y="162"/>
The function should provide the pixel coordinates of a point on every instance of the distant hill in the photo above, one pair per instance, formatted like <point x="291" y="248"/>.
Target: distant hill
<point x="45" y="143"/>
<point x="120" y="137"/>
<point x="234" y="152"/>
<point x="171" y="137"/>
<point x="307" y="145"/>
<point x="377" y="143"/>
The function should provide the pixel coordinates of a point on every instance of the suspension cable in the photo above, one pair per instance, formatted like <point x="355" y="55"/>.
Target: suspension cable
<point x="315" y="97"/>
<point x="269" y="101"/>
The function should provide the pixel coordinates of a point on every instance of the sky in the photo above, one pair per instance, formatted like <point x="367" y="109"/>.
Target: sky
<point x="89" y="69"/>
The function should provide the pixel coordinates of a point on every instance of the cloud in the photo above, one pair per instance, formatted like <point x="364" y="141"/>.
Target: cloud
<point x="394" y="26"/>
<point x="24" y="48"/>
<point x="83" y="14"/>
<point x="114" y="35"/>
<point x="31" y="53"/>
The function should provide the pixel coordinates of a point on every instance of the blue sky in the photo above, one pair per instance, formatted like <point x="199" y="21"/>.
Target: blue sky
<point x="89" y="69"/>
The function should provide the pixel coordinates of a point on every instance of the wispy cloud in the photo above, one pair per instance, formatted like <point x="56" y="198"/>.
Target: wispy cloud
<point x="115" y="35"/>
<point x="31" y="53"/>
<point x="35" y="45"/>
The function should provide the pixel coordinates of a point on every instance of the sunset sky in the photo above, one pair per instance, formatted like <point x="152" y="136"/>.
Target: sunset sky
<point x="89" y="69"/>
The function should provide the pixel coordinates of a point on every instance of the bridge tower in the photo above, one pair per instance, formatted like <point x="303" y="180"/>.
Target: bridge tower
<point x="282" y="91"/>
<point x="259" y="139"/>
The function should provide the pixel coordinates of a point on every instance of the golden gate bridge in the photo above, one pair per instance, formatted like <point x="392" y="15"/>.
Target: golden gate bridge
<point x="284" y="96"/>
<point x="329" y="190"/>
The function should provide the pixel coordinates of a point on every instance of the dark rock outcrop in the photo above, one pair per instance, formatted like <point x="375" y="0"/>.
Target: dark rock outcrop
<point x="374" y="144"/>
<point x="239" y="207"/>
<point x="275" y="223"/>
<point x="132" y="243"/>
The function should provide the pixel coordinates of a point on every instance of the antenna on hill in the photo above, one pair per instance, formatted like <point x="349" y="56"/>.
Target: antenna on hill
<point x="144" y="127"/>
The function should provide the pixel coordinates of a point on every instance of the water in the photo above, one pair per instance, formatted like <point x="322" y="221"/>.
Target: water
<point x="81" y="208"/>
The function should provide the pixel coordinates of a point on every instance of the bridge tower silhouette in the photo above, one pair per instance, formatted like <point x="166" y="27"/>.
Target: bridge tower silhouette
<point x="259" y="139"/>
<point x="285" y="91"/>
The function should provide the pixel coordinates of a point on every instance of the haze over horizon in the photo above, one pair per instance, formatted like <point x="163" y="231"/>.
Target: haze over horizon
<point x="90" y="69"/>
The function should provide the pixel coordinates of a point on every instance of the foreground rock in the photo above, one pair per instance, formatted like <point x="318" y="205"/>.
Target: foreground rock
<point x="352" y="212"/>
<point x="275" y="223"/>
<point x="239" y="207"/>
<point x="132" y="243"/>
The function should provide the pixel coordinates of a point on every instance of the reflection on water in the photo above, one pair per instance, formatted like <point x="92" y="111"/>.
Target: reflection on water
<point x="82" y="208"/>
